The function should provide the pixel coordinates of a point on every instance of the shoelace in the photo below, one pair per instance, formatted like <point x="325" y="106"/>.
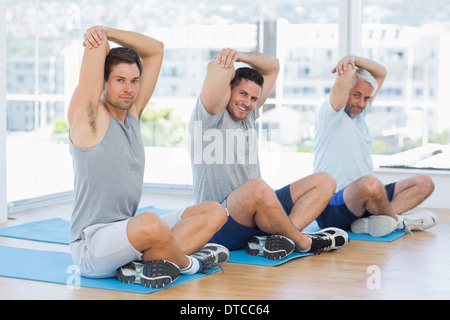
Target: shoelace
<point x="319" y="244"/>
<point x="205" y="257"/>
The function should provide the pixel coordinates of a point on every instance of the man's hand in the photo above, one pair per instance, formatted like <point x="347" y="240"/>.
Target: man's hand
<point x="343" y="64"/>
<point x="227" y="57"/>
<point x="94" y="36"/>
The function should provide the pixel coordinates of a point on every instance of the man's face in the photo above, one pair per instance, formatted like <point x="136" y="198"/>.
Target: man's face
<point x="122" y="86"/>
<point x="358" y="98"/>
<point x="243" y="99"/>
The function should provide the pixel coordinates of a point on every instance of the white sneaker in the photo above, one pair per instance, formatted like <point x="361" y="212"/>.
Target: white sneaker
<point x="376" y="226"/>
<point x="211" y="256"/>
<point x="418" y="221"/>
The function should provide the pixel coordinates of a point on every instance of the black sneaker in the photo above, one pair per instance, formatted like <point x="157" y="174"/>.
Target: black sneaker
<point x="151" y="274"/>
<point x="327" y="239"/>
<point x="211" y="255"/>
<point x="274" y="247"/>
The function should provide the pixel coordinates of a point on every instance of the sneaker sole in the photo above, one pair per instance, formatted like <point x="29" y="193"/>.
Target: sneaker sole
<point x="255" y="246"/>
<point x="376" y="226"/>
<point x="152" y="274"/>
<point x="278" y="247"/>
<point x="380" y="226"/>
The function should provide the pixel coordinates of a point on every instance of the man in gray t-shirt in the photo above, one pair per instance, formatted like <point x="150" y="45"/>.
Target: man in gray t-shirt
<point x="224" y="156"/>
<point x="107" y="238"/>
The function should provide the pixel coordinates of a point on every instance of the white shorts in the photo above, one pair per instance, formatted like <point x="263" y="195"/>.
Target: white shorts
<point x="103" y="248"/>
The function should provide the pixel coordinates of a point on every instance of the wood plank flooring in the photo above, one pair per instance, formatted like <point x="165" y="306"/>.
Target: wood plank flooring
<point x="412" y="267"/>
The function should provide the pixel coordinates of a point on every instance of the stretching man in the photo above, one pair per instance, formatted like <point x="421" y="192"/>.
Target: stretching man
<point x="106" y="238"/>
<point x="343" y="148"/>
<point x="225" y="164"/>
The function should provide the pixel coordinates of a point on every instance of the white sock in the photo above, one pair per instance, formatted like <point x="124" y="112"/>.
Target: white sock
<point x="194" y="266"/>
<point x="400" y="223"/>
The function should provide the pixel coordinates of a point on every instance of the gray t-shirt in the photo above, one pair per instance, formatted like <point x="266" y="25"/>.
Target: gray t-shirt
<point x="224" y="152"/>
<point x="108" y="177"/>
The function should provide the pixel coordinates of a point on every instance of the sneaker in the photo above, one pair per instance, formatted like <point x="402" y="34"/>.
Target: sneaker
<point x="211" y="255"/>
<point x="151" y="274"/>
<point x="274" y="247"/>
<point x="376" y="226"/>
<point x="327" y="239"/>
<point x="418" y="221"/>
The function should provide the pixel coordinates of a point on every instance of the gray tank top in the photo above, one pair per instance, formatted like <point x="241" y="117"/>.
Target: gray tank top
<point x="108" y="177"/>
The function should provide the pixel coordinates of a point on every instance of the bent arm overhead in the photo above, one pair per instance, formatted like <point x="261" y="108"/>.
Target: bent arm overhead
<point x="216" y="91"/>
<point x="268" y="66"/>
<point x="83" y="106"/>
<point x="345" y="70"/>
<point x="151" y="52"/>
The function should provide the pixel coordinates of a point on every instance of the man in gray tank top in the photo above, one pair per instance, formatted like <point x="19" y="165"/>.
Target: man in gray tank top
<point x="106" y="238"/>
<point x="225" y="164"/>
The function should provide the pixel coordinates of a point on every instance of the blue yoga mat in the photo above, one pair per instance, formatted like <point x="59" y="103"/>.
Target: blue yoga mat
<point x="57" y="267"/>
<point x="240" y="256"/>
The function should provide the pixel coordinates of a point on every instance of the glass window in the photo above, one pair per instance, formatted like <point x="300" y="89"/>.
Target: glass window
<point x="43" y="59"/>
<point x="410" y="115"/>
<point x="39" y="57"/>
<point x="44" y="53"/>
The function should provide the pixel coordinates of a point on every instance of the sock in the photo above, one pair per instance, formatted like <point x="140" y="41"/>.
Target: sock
<point x="400" y="223"/>
<point x="194" y="266"/>
<point x="301" y="250"/>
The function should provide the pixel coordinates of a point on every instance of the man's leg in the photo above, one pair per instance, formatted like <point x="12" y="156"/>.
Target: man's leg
<point x="310" y="196"/>
<point x="368" y="194"/>
<point x="409" y="193"/>
<point x="149" y="234"/>
<point x="255" y="205"/>
<point x="199" y="223"/>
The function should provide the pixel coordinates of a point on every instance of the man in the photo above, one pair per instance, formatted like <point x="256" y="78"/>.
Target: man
<point x="225" y="164"/>
<point x="343" y="148"/>
<point x="106" y="237"/>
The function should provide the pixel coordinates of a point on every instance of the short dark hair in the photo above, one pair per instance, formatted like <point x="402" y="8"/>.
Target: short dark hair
<point x="247" y="74"/>
<point x="121" y="55"/>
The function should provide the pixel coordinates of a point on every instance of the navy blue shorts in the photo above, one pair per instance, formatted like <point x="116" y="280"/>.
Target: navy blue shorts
<point x="234" y="235"/>
<point x="337" y="215"/>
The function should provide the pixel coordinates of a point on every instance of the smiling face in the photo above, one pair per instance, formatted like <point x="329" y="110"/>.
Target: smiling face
<point x="359" y="97"/>
<point x="122" y="86"/>
<point x="244" y="98"/>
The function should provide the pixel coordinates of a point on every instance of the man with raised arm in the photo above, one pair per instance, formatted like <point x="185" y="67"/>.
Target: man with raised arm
<point x="106" y="237"/>
<point x="225" y="165"/>
<point x="343" y="149"/>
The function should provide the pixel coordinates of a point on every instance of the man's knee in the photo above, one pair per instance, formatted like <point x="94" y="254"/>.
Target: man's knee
<point x="426" y="185"/>
<point x="326" y="182"/>
<point x="371" y="186"/>
<point x="148" y="226"/>
<point x="217" y="215"/>
<point x="261" y="191"/>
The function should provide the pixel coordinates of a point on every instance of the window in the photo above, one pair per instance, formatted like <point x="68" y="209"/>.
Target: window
<point x="411" y="112"/>
<point x="44" y="50"/>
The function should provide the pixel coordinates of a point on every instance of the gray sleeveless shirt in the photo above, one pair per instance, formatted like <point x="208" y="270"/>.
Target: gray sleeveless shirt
<point x="108" y="177"/>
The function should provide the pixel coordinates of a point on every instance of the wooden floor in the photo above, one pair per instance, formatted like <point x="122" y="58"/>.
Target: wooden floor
<point x="412" y="267"/>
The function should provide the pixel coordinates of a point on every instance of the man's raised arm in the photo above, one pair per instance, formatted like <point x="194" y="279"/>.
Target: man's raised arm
<point x="151" y="52"/>
<point x="216" y="89"/>
<point x="345" y="70"/>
